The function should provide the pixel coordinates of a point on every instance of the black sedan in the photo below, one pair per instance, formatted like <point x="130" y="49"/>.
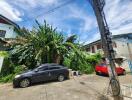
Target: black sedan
<point x="45" y="72"/>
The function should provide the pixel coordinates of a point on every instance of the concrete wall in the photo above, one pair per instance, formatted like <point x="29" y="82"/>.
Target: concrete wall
<point x="122" y="49"/>
<point x="126" y="65"/>
<point x="10" y="33"/>
<point x="1" y="62"/>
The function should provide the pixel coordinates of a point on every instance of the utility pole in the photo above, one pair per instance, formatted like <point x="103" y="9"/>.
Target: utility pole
<point x="129" y="51"/>
<point x="106" y="38"/>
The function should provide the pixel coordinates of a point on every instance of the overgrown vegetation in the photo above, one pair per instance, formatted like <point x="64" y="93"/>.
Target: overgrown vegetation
<point x="4" y="54"/>
<point x="42" y="45"/>
<point x="45" y="45"/>
<point x="8" y="72"/>
<point x="82" y="61"/>
<point x="9" y="69"/>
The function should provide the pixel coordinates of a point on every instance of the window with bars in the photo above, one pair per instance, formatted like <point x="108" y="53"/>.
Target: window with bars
<point x="2" y="33"/>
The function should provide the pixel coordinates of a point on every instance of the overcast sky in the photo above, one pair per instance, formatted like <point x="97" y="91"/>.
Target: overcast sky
<point x="74" y="18"/>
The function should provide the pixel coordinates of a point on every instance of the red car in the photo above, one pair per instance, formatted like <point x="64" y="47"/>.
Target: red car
<point x="103" y="70"/>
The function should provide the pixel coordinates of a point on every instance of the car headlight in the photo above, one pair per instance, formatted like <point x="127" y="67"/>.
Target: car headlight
<point x="17" y="76"/>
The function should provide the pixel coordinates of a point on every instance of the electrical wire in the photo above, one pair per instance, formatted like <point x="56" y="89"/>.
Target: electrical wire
<point x="90" y="1"/>
<point x="50" y="11"/>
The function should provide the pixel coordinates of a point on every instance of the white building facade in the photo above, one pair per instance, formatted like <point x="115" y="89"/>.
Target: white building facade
<point x="7" y="28"/>
<point x="8" y="31"/>
<point x="122" y="45"/>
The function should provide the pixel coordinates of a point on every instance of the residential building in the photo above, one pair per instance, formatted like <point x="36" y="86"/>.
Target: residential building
<point x="8" y="31"/>
<point x="122" y="45"/>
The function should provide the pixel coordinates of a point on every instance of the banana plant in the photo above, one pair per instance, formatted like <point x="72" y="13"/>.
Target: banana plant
<point x="42" y="45"/>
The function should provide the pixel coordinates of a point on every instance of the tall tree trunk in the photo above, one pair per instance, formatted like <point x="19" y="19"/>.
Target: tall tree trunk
<point x="56" y="59"/>
<point x="61" y="60"/>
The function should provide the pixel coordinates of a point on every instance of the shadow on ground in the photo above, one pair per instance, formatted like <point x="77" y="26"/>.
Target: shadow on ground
<point x="102" y="97"/>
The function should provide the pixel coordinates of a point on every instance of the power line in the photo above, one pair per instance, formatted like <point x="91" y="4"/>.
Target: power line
<point x="90" y="1"/>
<point x="50" y="11"/>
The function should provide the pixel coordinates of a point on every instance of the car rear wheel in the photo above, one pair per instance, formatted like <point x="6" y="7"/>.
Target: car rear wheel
<point x="61" y="78"/>
<point x="124" y="72"/>
<point x="97" y="73"/>
<point x="24" y="83"/>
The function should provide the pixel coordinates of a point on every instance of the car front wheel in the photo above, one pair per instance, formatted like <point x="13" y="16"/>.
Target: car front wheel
<point x="61" y="78"/>
<point x="24" y="83"/>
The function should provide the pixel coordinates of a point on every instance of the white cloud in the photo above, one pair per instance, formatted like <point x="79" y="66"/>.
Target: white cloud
<point x="73" y="12"/>
<point x="30" y="4"/>
<point x="89" y="21"/>
<point x="48" y="2"/>
<point x="9" y="11"/>
<point x="95" y="37"/>
<point x="118" y="15"/>
<point x="123" y="29"/>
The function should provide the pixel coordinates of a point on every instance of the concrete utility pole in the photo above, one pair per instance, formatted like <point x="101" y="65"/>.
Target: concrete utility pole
<point x="106" y="38"/>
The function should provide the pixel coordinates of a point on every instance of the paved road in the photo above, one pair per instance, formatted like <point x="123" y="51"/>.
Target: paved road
<point x="86" y="87"/>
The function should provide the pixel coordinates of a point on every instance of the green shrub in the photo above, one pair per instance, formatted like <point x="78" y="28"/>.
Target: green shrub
<point x="9" y="75"/>
<point x="82" y="62"/>
<point x="7" y="67"/>
<point x="4" y="54"/>
<point x="67" y="62"/>
<point x="7" y="78"/>
<point x="19" y="69"/>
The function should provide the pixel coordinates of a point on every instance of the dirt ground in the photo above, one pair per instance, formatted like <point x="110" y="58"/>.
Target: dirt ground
<point x="86" y="87"/>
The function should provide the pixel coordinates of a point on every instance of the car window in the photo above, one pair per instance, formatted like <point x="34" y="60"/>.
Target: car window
<point x="53" y="65"/>
<point x="52" y="68"/>
<point x="43" y="69"/>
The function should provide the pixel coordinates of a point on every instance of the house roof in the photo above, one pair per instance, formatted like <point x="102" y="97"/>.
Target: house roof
<point x="92" y="43"/>
<point x="9" y="21"/>
<point x="127" y="35"/>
